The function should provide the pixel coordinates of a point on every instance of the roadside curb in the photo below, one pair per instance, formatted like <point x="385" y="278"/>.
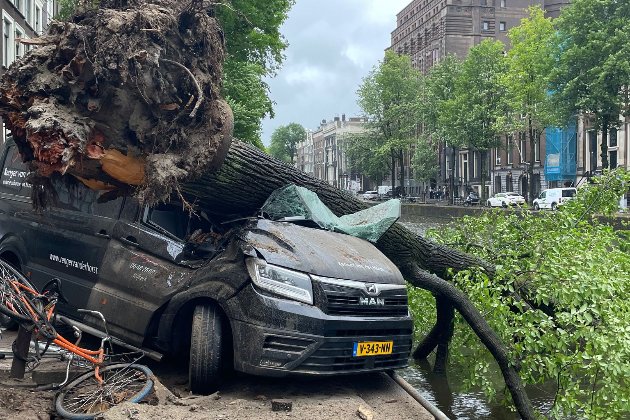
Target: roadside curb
<point x="435" y="412"/>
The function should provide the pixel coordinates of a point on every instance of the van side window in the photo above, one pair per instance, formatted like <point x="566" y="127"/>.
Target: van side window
<point x="72" y="194"/>
<point x="169" y="217"/>
<point x="14" y="174"/>
<point x="568" y="193"/>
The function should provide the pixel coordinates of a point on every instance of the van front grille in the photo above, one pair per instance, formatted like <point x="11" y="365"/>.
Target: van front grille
<point x="355" y="301"/>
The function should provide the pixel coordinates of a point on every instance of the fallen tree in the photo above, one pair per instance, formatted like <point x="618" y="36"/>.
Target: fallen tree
<point x="126" y="99"/>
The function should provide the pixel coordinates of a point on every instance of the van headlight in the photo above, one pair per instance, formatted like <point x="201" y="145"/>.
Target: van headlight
<point x="281" y="281"/>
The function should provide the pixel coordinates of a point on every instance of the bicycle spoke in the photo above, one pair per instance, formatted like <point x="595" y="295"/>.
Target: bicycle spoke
<point x="116" y="388"/>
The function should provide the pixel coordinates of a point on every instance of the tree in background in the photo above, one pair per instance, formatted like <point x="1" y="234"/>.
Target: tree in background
<point x="425" y="161"/>
<point x="284" y="141"/>
<point x="530" y="64"/>
<point x="593" y="70"/>
<point x="254" y="47"/>
<point x="364" y="155"/>
<point x="438" y="89"/>
<point x="479" y="104"/>
<point x="389" y="98"/>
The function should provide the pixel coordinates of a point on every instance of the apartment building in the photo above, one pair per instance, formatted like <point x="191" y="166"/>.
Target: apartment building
<point x="22" y="19"/>
<point x="322" y="153"/>
<point x="427" y="31"/>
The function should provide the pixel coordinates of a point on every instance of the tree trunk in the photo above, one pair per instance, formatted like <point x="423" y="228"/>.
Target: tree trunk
<point x="401" y="159"/>
<point x="452" y="181"/>
<point x="604" y="145"/>
<point x="393" y="156"/>
<point x="532" y="157"/>
<point x="248" y="176"/>
<point x="482" y="157"/>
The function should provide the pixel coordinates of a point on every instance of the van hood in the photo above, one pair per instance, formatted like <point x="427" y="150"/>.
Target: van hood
<point x="320" y="252"/>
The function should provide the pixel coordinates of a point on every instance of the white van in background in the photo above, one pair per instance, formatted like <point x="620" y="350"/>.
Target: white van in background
<point x="554" y="197"/>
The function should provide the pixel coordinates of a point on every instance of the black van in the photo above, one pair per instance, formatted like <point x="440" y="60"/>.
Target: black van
<point x="263" y="297"/>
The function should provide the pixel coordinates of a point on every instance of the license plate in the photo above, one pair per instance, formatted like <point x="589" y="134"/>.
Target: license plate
<point x="372" y="348"/>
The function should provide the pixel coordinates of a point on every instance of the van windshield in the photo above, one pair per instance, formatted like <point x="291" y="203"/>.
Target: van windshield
<point x="292" y="203"/>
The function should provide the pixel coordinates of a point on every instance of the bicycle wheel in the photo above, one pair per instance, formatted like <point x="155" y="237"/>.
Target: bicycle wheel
<point x="84" y="398"/>
<point x="11" y="300"/>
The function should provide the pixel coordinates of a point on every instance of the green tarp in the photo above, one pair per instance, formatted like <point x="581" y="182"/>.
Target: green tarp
<point x="298" y="203"/>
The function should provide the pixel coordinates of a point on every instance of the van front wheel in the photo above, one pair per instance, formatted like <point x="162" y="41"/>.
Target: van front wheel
<point x="206" y="349"/>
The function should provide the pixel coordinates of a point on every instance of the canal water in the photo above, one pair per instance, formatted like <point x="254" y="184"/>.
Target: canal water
<point x="448" y="394"/>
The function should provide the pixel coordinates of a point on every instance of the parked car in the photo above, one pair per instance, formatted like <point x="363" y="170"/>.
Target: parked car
<point x="554" y="197"/>
<point x="370" y="195"/>
<point x="472" y="199"/>
<point x="505" y="200"/>
<point x="263" y="297"/>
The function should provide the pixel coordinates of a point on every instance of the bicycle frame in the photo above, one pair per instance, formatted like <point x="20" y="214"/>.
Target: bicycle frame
<point x="96" y="357"/>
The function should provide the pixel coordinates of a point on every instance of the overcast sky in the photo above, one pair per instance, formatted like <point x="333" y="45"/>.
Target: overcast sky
<point x="333" y="44"/>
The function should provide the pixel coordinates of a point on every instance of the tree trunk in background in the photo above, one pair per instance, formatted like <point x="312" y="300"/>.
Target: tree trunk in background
<point x="532" y="134"/>
<point x="248" y="176"/>
<point x="482" y="156"/>
<point x="401" y="159"/>
<point x="604" y="145"/>
<point x="392" y="154"/>
<point x="452" y="182"/>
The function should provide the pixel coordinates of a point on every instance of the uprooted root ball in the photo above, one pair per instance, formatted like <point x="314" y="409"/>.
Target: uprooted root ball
<point x="122" y="97"/>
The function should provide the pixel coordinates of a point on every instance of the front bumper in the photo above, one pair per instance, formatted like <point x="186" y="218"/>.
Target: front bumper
<point x="278" y="337"/>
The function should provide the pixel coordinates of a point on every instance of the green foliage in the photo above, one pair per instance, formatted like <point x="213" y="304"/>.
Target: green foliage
<point x="254" y="47"/>
<point x="438" y="90"/>
<point x="284" y="141"/>
<point x="365" y="154"/>
<point x="480" y="99"/>
<point x="246" y="92"/>
<point x="560" y="299"/>
<point x="530" y="64"/>
<point x="425" y="160"/>
<point x="593" y="69"/>
<point x="389" y="98"/>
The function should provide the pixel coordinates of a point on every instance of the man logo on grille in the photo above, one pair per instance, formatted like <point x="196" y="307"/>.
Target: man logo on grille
<point x="372" y="289"/>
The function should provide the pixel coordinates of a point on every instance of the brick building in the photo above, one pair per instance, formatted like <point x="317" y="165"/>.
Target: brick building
<point x="427" y="31"/>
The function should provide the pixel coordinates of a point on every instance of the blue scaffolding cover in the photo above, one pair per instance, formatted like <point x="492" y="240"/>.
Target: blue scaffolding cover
<point x="560" y="155"/>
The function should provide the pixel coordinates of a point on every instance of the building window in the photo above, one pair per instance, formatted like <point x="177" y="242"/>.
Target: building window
<point x="486" y="25"/>
<point x="497" y="156"/>
<point x="29" y="12"/>
<point x="18" y="45"/>
<point x="484" y="2"/>
<point x="502" y="26"/>
<point x="503" y="3"/>
<point x="509" y="149"/>
<point x="465" y="167"/>
<point x="537" y="151"/>
<point x="38" y="20"/>
<point x="612" y="137"/>
<point x="612" y="159"/>
<point x="7" y="42"/>
<point x="522" y="147"/>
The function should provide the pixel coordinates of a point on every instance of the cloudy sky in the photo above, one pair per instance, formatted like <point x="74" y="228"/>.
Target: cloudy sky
<point x="333" y="44"/>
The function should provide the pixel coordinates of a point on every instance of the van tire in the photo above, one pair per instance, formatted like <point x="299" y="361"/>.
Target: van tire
<point x="536" y="206"/>
<point x="206" y="349"/>
<point x="554" y="206"/>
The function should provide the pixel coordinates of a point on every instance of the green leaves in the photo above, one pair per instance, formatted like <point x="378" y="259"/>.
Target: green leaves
<point x="561" y="297"/>
<point x="284" y="141"/>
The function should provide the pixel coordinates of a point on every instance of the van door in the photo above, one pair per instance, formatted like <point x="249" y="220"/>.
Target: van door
<point x="142" y="269"/>
<point x="72" y="236"/>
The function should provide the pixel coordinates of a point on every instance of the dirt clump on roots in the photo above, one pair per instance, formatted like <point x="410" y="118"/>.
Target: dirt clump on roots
<point x="124" y="97"/>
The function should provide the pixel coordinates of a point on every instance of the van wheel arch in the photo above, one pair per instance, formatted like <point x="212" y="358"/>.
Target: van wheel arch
<point x="182" y="330"/>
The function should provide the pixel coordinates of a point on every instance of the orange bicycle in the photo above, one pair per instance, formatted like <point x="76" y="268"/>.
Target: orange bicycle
<point x="93" y="392"/>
